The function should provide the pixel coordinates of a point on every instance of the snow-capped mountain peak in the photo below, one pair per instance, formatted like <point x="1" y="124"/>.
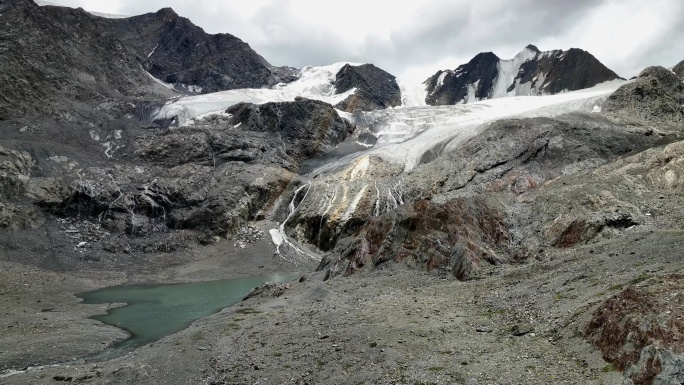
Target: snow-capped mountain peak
<point x="530" y="72"/>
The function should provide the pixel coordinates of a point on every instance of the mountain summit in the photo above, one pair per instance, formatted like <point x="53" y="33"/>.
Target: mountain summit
<point x="530" y="72"/>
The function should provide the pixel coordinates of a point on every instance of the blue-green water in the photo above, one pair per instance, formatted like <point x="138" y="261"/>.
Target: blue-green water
<point x="155" y="311"/>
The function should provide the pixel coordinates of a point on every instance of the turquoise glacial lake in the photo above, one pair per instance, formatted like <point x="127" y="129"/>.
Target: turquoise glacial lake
<point x="155" y="311"/>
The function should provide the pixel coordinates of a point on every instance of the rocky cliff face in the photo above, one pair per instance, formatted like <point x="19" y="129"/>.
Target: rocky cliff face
<point x="304" y="128"/>
<point x="176" y="51"/>
<point x="375" y="88"/>
<point x="469" y="82"/>
<point x="454" y="236"/>
<point x="365" y="216"/>
<point x="530" y="72"/>
<point x="58" y="61"/>
<point x="55" y="55"/>
<point x="163" y="190"/>
<point x="657" y="95"/>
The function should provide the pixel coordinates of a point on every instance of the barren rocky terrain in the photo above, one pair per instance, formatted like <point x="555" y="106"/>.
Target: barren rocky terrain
<point x="542" y="247"/>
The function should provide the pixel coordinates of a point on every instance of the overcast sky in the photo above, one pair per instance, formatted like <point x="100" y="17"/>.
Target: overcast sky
<point x="415" y="39"/>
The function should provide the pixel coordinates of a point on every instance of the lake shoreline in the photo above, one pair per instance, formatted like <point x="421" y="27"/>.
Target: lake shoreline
<point x="393" y="324"/>
<point x="44" y="323"/>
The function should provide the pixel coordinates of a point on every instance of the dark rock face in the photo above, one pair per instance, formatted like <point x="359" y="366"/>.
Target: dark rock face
<point x="656" y="95"/>
<point x="284" y="74"/>
<point x="451" y="87"/>
<point x="284" y="134"/>
<point x="176" y="51"/>
<point x="531" y="72"/>
<point x="52" y="54"/>
<point x="570" y="70"/>
<point x="305" y="127"/>
<point x="375" y="88"/>
<point x="213" y="176"/>
<point x="679" y="69"/>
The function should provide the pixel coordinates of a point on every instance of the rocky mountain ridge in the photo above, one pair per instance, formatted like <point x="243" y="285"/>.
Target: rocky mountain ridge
<point x="174" y="50"/>
<point x="530" y="72"/>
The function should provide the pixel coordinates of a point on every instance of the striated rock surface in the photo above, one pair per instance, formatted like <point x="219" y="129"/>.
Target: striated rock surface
<point x="530" y="72"/>
<point x="657" y="96"/>
<point x="456" y="236"/>
<point x="375" y="88"/>
<point x="338" y="202"/>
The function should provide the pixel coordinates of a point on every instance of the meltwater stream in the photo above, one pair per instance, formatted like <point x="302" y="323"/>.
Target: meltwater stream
<point x="155" y="311"/>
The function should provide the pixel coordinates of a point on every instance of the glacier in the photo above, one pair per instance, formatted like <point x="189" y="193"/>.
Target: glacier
<point x="405" y="134"/>
<point x="313" y="83"/>
<point x="408" y="132"/>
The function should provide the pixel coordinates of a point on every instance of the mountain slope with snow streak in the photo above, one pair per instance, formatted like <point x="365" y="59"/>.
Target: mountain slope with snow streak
<point x="530" y="72"/>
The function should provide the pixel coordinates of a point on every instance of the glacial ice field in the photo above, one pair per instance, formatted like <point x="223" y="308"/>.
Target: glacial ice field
<point x="404" y="134"/>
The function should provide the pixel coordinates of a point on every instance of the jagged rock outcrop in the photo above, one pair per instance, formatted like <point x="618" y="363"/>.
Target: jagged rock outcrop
<point x="657" y="96"/>
<point x="338" y="202"/>
<point x="530" y="72"/>
<point x="679" y="69"/>
<point x="509" y="159"/>
<point x="60" y="61"/>
<point x="640" y="331"/>
<point x="283" y="134"/>
<point x="176" y="51"/>
<point x="305" y="128"/>
<point x="209" y="177"/>
<point x="375" y="88"/>
<point x="455" y="236"/>
<point x="469" y="82"/>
